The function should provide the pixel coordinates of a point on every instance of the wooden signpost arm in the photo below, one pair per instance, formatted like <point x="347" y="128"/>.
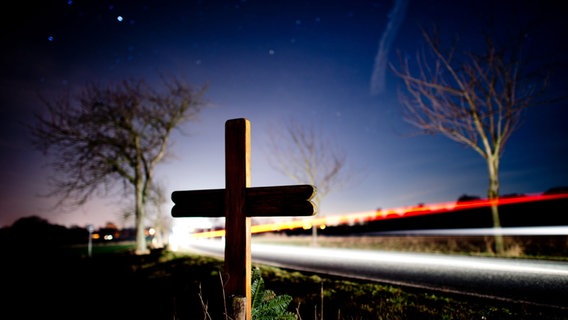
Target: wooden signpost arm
<point x="280" y="201"/>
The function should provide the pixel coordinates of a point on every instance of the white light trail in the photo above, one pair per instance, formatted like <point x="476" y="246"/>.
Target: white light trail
<point x="517" y="231"/>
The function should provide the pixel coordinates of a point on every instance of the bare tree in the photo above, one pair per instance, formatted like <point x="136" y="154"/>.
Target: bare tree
<point x="304" y="155"/>
<point x="475" y="99"/>
<point x="109" y="135"/>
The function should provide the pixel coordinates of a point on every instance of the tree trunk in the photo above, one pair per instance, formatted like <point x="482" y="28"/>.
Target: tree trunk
<point x="314" y="235"/>
<point x="316" y="201"/>
<point x="141" y="247"/>
<point x="493" y="193"/>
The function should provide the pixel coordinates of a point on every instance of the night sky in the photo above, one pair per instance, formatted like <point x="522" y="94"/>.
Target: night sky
<point x="320" y="62"/>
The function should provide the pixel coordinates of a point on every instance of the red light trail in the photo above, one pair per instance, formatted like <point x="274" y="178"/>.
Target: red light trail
<point x="384" y="214"/>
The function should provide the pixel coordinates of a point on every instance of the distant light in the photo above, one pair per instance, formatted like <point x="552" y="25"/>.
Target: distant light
<point x="69" y="2"/>
<point x="271" y="52"/>
<point x="50" y="38"/>
<point x="119" y="18"/>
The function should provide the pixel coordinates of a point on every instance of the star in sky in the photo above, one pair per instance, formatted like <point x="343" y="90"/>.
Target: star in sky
<point x="320" y="61"/>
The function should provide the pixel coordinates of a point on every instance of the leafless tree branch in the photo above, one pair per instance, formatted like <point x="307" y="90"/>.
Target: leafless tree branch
<point x="476" y="99"/>
<point x="103" y="135"/>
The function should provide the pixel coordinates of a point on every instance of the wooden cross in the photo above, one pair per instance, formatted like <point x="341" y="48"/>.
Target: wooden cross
<point x="237" y="203"/>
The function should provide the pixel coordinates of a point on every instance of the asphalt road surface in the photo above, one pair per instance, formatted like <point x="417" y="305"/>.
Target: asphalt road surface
<point x="536" y="282"/>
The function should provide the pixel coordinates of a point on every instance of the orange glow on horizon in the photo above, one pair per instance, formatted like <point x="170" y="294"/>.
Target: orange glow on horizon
<point x="393" y="213"/>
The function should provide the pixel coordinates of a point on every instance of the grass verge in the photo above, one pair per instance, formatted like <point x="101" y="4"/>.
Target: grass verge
<point x="114" y="284"/>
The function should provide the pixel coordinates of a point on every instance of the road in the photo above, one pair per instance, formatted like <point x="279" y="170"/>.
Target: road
<point x="526" y="281"/>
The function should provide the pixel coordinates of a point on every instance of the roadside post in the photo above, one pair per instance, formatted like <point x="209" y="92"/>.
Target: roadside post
<point x="238" y="202"/>
<point x="90" y="228"/>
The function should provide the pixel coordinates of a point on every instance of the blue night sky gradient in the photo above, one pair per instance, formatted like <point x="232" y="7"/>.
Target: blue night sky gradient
<point x="268" y="61"/>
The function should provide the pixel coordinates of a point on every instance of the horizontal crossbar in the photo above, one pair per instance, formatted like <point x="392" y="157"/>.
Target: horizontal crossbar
<point x="277" y="201"/>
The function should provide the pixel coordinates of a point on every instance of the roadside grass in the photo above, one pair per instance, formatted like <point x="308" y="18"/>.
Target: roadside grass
<point x="115" y="284"/>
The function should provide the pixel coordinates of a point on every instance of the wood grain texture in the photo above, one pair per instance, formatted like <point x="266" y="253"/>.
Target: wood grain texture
<point x="237" y="224"/>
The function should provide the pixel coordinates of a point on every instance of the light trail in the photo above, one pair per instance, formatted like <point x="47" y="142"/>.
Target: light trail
<point x="374" y="258"/>
<point x="355" y="256"/>
<point x="510" y="231"/>
<point x="392" y="213"/>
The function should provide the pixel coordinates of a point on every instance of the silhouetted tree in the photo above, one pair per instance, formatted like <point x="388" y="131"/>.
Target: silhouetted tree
<point x="474" y="98"/>
<point x="105" y="135"/>
<point x="467" y="197"/>
<point x="557" y="190"/>
<point x="305" y="155"/>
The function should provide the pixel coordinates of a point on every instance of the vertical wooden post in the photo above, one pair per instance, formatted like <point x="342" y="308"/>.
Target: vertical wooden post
<point x="237" y="224"/>
<point x="240" y="203"/>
